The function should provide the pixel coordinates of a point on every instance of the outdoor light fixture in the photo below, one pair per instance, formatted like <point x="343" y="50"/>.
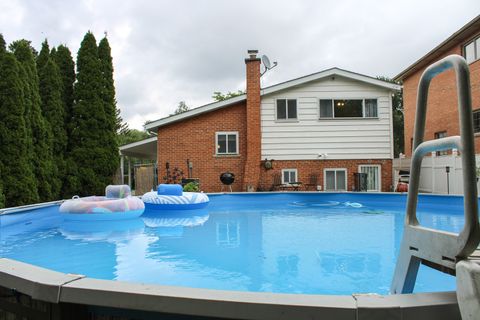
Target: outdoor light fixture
<point x="447" y="170"/>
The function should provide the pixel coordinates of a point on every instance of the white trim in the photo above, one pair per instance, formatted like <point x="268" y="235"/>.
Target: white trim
<point x="349" y="118"/>
<point x="379" y="175"/>
<point x="334" y="169"/>
<point x="137" y="143"/>
<point x="153" y="126"/>
<point x="287" y="119"/>
<point x="226" y="133"/>
<point x="289" y="170"/>
<point x="328" y="73"/>
<point x="392" y="141"/>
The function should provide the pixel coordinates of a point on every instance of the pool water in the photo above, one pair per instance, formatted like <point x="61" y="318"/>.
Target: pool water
<point x="310" y="243"/>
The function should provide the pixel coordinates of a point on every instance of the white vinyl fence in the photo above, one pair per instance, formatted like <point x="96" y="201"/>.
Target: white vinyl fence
<point x="434" y="176"/>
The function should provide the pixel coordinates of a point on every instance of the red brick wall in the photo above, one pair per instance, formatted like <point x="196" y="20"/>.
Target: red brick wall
<point x="307" y="167"/>
<point x="442" y="107"/>
<point x="194" y="139"/>
<point x="254" y="145"/>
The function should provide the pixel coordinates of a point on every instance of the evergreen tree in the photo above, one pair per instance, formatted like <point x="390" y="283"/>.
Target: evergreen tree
<point x="2" y="197"/>
<point x="3" y="45"/>
<point x="397" y="113"/>
<point x="63" y="59"/>
<point x="44" y="55"/>
<point x="16" y="175"/>
<point x="53" y="112"/>
<point x="120" y="126"/>
<point x="38" y="129"/>
<point x="110" y="107"/>
<point x="88" y="156"/>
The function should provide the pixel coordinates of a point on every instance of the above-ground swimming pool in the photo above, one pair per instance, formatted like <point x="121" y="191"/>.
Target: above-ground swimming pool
<point x="307" y="243"/>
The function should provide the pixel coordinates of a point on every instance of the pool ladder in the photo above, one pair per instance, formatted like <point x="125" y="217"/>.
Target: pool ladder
<point x="441" y="250"/>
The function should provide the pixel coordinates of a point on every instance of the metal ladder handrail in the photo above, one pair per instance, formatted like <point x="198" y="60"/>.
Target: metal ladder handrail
<point x="436" y="248"/>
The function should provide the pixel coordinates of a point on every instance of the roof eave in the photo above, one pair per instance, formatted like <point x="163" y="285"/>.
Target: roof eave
<point x="153" y="126"/>
<point x="445" y="45"/>
<point x="138" y="143"/>
<point x="328" y="73"/>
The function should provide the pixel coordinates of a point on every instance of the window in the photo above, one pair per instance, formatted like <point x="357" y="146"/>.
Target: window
<point x="348" y="108"/>
<point x="289" y="176"/>
<point x="228" y="234"/>
<point x="439" y="135"/>
<point x="371" y="108"/>
<point x="335" y="179"/>
<point x="373" y="176"/>
<point x="476" y="121"/>
<point x="471" y="51"/>
<point x="227" y="142"/>
<point x="286" y="109"/>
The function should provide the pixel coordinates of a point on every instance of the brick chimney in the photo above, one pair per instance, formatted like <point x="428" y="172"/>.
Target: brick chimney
<point x="254" y="144"/>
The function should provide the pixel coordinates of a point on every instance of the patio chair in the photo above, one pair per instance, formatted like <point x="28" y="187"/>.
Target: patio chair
<point x="277" y="182"/>
<point x="312" y="182"/>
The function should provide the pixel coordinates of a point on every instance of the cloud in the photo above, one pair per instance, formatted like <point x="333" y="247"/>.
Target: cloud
<point x="165" y="51"/>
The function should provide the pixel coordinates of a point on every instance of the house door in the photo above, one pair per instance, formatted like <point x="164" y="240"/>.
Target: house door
<point x="373" y="176"/>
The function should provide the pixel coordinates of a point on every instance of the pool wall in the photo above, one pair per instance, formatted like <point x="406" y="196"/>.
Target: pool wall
<point x="34" y="292"/>
<point x="30" y="290"/>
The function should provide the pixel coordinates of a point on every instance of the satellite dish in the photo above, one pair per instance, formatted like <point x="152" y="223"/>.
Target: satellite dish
<point x="266" y="62"/>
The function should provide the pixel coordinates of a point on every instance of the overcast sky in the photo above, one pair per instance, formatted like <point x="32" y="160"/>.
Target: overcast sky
<point x="168" y="51"/>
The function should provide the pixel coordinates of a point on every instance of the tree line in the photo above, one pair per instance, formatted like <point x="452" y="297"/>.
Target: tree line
<point x="58" y="121"/>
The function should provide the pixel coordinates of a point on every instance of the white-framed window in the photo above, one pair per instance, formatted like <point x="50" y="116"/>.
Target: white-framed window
<point x="289" y="176"/>
<point x="439" y="135"/>
<point x="471" y="51"/>
<point x="348" y="108"/>
<point x="286" y="109"/>
<point x="335" y="179"/>
<point x="226" y="142"/>
<point x="373" y="171"/>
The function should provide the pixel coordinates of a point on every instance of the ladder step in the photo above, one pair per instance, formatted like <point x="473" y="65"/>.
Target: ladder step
<point x="439" y="267"/>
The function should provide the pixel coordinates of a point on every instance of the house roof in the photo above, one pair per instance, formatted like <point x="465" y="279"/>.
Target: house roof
<point x="154" y="125"/>
<point x="459" y="36"/>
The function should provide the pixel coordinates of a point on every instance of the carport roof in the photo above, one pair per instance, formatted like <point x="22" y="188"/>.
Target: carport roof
<point x="143" y="149"/>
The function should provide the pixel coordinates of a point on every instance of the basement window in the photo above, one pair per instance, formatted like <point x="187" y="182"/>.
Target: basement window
<point x="348" y="108"/>
<point x="226" y="142"/>
<point x="289" y="176"/>
<point x="286" y="109"/>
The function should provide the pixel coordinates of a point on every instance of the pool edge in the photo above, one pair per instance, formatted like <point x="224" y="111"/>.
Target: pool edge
<point x="57" y="288"/>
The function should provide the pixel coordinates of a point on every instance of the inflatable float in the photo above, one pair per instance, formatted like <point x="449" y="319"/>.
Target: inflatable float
<point x="118" y="204"/>
<point x="172" y="197"/>
<point x="113" y="231"/>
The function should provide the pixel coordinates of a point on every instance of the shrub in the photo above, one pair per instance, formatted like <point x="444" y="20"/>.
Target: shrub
<point x="191" y="187"/>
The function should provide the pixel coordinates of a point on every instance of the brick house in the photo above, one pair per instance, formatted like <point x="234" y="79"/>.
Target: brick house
<point x="328" y="125"/>
<point x="442" y="110"/>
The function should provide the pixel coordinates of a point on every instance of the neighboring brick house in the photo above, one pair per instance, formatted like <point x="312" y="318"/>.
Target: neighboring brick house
<point x="442" y="109"/>
<point x="329" y="124"/>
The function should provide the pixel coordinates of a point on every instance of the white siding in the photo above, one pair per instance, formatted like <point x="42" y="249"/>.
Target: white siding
<point x="338" y="138"/>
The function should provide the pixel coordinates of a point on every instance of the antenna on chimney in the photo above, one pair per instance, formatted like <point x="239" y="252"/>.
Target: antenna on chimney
<point x="267" y="64"/>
